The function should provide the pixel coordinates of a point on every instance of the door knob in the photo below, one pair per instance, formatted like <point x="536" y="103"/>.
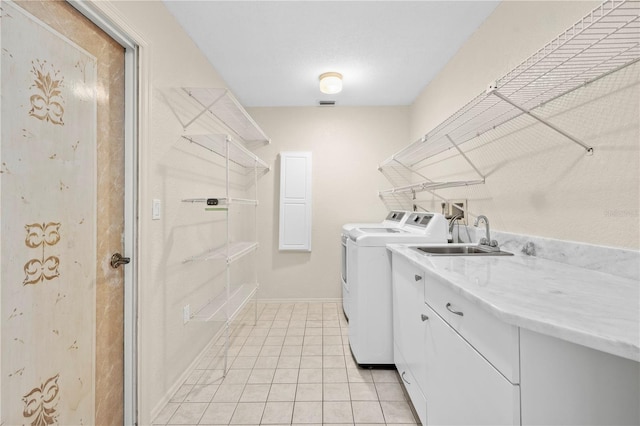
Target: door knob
<point x="117" y="259"/>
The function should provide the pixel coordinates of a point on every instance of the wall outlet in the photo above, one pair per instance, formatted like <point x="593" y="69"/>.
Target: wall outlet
<point x="186" y="314"/>
<point x="458" y="207"/>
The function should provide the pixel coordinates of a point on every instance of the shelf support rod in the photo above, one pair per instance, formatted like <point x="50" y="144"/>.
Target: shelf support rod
<point x="423" y="177"/>
<point x="206" y="108"/>
<point x="411" y="170"/>
<point x="465" y="157"/>
<point x="588" y="148"/>
<point x="173" y="110"/>
<point x="255" y="233"/>
<point x="227" y="343"/>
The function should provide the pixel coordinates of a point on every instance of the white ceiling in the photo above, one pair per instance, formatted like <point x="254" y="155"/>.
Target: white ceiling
<point x="270" y="53"/>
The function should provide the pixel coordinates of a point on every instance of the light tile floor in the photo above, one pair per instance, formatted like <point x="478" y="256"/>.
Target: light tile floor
<point x="293" y="366"/>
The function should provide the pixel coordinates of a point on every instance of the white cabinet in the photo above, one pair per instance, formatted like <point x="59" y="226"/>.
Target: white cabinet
<point x="408" y="329"/>
<point x="295" y="201"/>
<point x="462" y="387"/>
<point x="448" y="380"/>
<point x="496" y="340"/>
<point x="461" y="365"/>
<point x="569" y="384"/>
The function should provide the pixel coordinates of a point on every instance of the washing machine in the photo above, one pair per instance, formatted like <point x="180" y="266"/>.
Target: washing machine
<point x="369" y="278"/>
<point x="394" y="219"/>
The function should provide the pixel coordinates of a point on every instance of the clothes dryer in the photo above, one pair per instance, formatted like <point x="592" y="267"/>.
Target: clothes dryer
<point x="394" y="219"/>
<point x="369" y="278"/>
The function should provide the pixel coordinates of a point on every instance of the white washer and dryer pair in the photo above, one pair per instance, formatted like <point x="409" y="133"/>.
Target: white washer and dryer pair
<point x="394" y="219"/>
<point x="369" y="278"/>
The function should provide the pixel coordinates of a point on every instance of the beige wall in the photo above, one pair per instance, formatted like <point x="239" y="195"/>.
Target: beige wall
<point x="170" y="170"/>
<point x="538" y="182"/>
<point x="347" y="144"/>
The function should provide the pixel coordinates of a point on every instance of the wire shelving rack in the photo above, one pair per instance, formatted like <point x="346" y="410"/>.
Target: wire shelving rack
<point x="601" y="43"/>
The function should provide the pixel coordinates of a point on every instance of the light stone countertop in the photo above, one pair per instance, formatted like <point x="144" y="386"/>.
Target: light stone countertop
<point x="590" y="308"/>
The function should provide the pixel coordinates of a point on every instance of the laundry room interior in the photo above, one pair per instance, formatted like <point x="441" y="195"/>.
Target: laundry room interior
<point x="292" y="246"/>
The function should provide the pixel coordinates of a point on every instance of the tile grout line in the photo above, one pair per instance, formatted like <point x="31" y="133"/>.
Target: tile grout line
<point x="276" y="315"/>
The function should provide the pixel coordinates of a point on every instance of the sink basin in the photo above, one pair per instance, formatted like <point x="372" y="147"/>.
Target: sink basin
<point x="462" y="250"/>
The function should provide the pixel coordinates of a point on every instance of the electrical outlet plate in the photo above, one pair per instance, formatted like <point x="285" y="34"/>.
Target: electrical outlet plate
<point x="186" y="314"/>
<point x="453" y="209"/>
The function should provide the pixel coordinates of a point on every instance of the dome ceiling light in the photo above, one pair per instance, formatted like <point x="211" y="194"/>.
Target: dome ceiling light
<point x="330" y="83"/>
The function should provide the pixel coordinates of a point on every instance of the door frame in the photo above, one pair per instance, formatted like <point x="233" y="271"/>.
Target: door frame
<point x="137" y="82"/>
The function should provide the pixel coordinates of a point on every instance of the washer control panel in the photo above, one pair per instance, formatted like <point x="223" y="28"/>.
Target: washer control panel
<point x="433" y="224"/>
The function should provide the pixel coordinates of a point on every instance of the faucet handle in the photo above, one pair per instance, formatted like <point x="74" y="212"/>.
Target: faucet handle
<point x="484" y="241"/>
<point x="493" y="243"/>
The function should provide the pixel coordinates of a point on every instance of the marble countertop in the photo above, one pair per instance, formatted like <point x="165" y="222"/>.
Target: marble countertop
<point x="590" y="308"/>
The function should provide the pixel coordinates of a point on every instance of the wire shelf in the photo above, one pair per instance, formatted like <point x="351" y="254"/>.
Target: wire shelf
<point x="216" y="308"/>
<point x="220" y="201"/>
<point x="429" y="186"/>
<point x="238" y="154"/>
<point x="601" y="43"/>
<point x="236" y="251"/>
<point x="224" y="106"/>
<point x="397" y="201"/>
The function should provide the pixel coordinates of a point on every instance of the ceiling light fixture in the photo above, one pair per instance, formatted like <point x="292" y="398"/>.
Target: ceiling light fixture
<point x="330" y="83"/>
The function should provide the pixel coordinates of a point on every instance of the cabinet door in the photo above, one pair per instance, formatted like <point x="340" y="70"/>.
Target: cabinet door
<point x="295" y="201"/>
<point x="570" y="384"/>
<point x="408" y="307"/>
<point x="462" y="387"/>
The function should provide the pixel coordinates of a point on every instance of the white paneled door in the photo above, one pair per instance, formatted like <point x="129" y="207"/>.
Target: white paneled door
<point x="295" y="201"/>
<point x="62" y="218"/>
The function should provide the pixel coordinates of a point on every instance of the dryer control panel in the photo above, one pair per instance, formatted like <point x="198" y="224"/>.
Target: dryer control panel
<point x="395" y="218"/>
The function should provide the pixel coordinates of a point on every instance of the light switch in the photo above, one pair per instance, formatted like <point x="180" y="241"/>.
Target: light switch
<point x="155" y="209"/>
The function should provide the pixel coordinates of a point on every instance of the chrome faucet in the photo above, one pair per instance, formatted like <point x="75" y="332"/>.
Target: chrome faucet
<point x="452" y="222"/>
<point x="486" y="241"/>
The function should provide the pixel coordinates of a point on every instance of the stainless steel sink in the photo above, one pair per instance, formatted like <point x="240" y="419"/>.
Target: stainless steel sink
<point x="462" y="250"/>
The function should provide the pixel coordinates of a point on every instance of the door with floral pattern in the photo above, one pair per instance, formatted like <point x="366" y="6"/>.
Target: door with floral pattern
<point x="61" y="217"/>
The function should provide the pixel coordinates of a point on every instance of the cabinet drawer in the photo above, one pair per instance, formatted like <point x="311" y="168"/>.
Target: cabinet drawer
<point x="496" y="340"/>
<point x="411" y="385"/>
<point x="462" y="387"/>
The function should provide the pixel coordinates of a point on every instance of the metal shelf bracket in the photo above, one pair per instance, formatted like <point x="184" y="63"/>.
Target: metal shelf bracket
<point x="205" y="108"/>
<point x="465" y="157"/>
<point x="494" y="91"/>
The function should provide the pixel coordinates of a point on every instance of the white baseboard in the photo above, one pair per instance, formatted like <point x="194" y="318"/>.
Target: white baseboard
<point x="180" y="381"/>
<point x="183" y="377"/>
<point x="302" y="300"/>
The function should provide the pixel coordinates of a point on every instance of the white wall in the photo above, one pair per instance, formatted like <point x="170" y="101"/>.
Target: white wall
<point x="172" y="169"/>
<point x="538" y="182"/>
<point x="347" y="145"/>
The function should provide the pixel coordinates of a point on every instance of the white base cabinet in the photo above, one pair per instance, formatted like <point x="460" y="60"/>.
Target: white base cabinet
<point x="462" y="387"/>
<point x="408" y="331"/>
<point x="448" y="380"/>
<point x="568" y="384"/>
<point x="463" y="366"/>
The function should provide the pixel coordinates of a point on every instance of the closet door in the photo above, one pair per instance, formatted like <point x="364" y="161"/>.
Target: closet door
<point x="295" y="201"/>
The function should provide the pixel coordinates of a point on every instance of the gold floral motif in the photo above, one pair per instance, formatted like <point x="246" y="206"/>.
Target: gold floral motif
<point x="41" y="404"/>
<point x="41" y="235"/>
<point x="47" y="104"/>
<point x="37" y="271"/>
